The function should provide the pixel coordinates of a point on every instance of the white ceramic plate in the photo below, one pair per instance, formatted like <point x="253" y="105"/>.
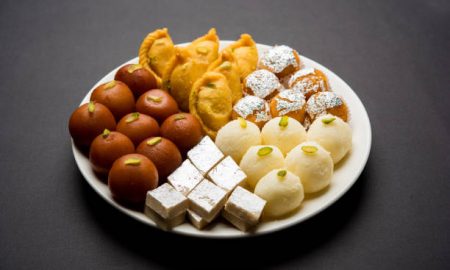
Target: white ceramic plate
<point x="345" y="175"/>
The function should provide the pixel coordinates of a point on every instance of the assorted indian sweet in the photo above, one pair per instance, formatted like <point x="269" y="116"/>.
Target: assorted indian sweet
<point x="252" y="108"/>
<point x="281" y="60"/>
<point x="282" y="190"/>
<point x="326" y="102"/>
<point x="283" y="132"/>
<point x="312" y="164"/>
<point x="274" y="130"/>
<point x="309" y="81"/>
<point x="289" y="103"/>
<point x="211" y="102"/>
<point x="236" y="137"/>
<point x="333" y="134"/>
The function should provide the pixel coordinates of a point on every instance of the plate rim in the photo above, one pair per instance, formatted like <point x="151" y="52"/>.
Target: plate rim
<point x="199" y="233"/>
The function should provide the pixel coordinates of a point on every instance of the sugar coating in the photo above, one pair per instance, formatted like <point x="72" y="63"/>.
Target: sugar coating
<point x="278" y="58"/>
<point x="205" y="155"/>
<point x="227" y="174"/>
<point x="207" y="199"/>
<point x="307" y="81"/>
<point x="166" y="201"/>
<point x="320" y="102"/>
<point x="262" y="83"/>
<point x="289" y="101"/>
<point x="185" y="177"/>
<point x="245" y="205"/>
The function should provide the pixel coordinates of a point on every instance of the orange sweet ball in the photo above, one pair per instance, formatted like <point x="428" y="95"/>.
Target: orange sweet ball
<point x="138" y="126"/>
<point x="116" y="96"/>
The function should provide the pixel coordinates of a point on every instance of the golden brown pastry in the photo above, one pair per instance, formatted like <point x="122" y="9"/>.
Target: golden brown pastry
<point x="185" y="70"/>
<point x="205" y="48"/>
<point x="226" y="65"/>
<point x="246" y="55"/>
<point x="211" y="102"/>
<point x="156" y="52"/>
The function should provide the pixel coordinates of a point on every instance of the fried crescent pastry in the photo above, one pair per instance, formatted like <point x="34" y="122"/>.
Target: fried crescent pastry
<point x="246" y="55"/>
<point x="210" y="102"/>
<point x="182" y="74"/>
<point x="156" y="52"/>
<point x="205" y="48"/>
<point x="227" y="65"/>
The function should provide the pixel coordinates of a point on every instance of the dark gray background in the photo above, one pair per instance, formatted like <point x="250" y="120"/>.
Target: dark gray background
<point x="395" y="55"/>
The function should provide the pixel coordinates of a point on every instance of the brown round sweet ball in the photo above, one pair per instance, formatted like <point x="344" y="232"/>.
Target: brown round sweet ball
<point x="158" y="104"/>
<point x="116" y="96"/>
<point x="290" y="103"/>
<point x="106" y="148"/>
<point x="88" y="121"/>
<point x="183" y="129"/>
<point x="138" y="126"/>
<point x="138" y="79"/>
<point x="164" y="154"/>
<point x="130" y="177"/>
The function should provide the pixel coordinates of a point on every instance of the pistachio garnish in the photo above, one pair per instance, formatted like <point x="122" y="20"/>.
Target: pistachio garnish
<point x="264" y="151"/>
<point x="282" y="173"/>
<point x="91" y="106"/>
<point x="109" y="85"/>
<point x="225" y="65"/>
<point x="154" y="141"/>
<point x="328" y="120"/>
<point x="180" y="117"/>
<point x="154" y="98"/>
<point x="309" y="149"/>
<point x="133" y="117"/>
<point x="284" y="121"/>
<point x="106" y="133"/>
<point x="242" y="122"/>
<point x="133" y="67"/>
<point x="132" y="161"/>
<point x="202" y="50"/>
<point x="211" y="85"/>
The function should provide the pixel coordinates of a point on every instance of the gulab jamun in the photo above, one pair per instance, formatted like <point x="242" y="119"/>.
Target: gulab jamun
<point x="106" y="148"/>
<point x="130" y="177"/>
<point x="164" y="154"/>
<point x="158" y="104"/>
<point x="116" y="96"/>
<point x="88" y="121"/>
<point x="183" y="129"/>
<point x="137" y="77"/>
<point x="138" y="126"/>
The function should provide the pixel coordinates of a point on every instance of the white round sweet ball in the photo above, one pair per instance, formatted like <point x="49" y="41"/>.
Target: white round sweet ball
<point x="236" y="137"/>
<point x="282" y="190"/>
<point x="259" y="160"/>
<point x="312" y="163"/>
<point x="334" y="134"/>
<point x="284" y="132"/>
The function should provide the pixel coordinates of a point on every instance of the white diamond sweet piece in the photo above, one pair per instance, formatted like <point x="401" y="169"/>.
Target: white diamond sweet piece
<point x="245" y="205"/>
<point x="196" y="220"/>
<point x="165" y="224"/>
<point x="237" y="222"/>
<point x="205" y="155"/>
<point x="185" y="177"/>
<point x="207" y="199"/>
<point x="166" y="201"/>
<point x="227" y="174"/>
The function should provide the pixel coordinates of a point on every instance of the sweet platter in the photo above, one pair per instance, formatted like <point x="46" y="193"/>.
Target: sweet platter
<point x="235" y="194"/>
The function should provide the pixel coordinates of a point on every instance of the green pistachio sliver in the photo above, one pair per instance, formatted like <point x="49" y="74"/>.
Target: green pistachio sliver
<point x="179" y="117"/>
<point x="284" y="121"/>
<point x="211" y="85"/>
<point x="309" y="149"/>
<point x="225" y="65"/>
<point x="154" y="98"/>
<point x="109" y="85"/>
<point x="106" y="133"/>
<point x="242" y="122"/>
<point x="91" y="107"/>
<point x="282" y="173"/>
<point x="133" y="67"/>
<point x="264" y="151"/>
<point x="154" y="141"/>
<point x="132" y="161"/>
<point x="326" y="121"/>
<point x="133" y="117"/>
